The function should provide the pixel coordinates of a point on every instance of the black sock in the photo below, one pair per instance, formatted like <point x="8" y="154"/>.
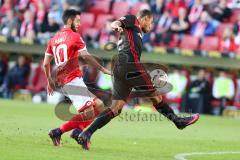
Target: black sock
<point x="101" y="120"/>
<point x="167" y="111"/>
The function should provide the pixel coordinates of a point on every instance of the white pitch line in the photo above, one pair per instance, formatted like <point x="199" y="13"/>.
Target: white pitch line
<point x="182" y="156"/>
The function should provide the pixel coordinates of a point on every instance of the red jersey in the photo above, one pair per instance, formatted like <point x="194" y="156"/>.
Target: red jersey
<point x="65" y="46"/>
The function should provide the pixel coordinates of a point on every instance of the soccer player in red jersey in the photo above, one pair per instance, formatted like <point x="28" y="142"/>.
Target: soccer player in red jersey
<point x="66" y="47"/>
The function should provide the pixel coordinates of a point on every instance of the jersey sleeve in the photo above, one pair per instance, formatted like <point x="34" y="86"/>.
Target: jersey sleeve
<point x="81" y="46"/>
<point x="128" y="21"/>
<point x="49" y="51"/>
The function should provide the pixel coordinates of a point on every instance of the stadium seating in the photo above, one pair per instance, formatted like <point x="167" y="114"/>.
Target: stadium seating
<point x="237" y="104"/>
<point x="137" y="7"/>
<point x="100" y="6"/>
<point x="91" y="32"/>
<point x="175" y="41"/>
<point x="235" y="15"/>
<point x="120" y="9"/>
<point x="190" y="42"/>
<point x="87" y="19"/>
<point x="222" y="27"/>
<point x="101" y="20"/>
<point x="209" y="43"/>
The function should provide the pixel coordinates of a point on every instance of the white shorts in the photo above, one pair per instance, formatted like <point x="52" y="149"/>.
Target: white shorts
<point x="78" y="93"/>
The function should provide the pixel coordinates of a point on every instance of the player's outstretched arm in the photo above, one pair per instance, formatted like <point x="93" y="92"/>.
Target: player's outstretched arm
<point x="92" y="61"/>
<point x="47" y="71"/>
<point x="117" y="26"/>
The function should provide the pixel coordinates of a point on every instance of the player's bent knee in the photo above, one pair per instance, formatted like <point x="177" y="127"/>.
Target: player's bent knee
<point x="98" y="102"/>
<point x="98" y="107"/>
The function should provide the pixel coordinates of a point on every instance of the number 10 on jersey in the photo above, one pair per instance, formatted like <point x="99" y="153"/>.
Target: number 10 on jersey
<point x="60" y="54"/>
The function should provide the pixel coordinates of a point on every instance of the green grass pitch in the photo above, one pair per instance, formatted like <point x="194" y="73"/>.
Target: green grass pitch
<point x="24" y="127"/>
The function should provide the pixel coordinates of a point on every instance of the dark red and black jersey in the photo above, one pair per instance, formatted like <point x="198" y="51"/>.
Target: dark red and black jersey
<point x="128" y="72"/>
<point x="130" y="41"/>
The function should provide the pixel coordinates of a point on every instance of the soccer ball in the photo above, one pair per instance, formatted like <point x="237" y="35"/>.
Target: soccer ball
<point x="160" y="80"/>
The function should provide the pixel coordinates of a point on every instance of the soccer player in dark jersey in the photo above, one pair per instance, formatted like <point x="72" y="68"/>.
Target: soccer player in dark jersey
<point x="129" y="73"/>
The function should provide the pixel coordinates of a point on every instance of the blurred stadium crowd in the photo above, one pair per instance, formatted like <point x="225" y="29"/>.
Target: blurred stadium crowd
<point x="211" y="25"/>
<point x="212" y="22"/>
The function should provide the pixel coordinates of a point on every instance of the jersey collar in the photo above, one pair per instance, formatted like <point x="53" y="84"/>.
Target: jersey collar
<point x="66" y="29"/>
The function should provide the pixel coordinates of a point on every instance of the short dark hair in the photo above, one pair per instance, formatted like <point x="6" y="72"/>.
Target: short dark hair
<point x="144" y="13"/>
<point x="69" y="13"/>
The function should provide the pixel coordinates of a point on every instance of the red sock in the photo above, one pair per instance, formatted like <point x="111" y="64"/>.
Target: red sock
<point x="68" y="126"/>
<point x="73" y="123"/>
<point x="85" y="124"/>
<point x="77" y="122"/>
